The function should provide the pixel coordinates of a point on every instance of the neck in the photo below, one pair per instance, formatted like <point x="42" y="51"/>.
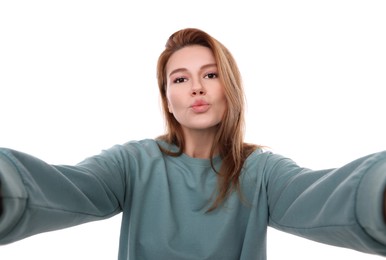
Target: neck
<point x="198" y="143"/>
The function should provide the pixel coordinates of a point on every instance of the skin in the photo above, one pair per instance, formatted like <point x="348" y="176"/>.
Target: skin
<point x="192" y="77"/>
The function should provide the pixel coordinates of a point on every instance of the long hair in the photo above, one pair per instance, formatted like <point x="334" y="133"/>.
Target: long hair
<point x="229" y="139"/>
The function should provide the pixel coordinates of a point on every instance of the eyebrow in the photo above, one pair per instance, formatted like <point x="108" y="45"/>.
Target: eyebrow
<point x="185" y="69"/>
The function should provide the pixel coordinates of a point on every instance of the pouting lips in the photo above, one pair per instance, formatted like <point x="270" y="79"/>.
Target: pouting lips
<point x="200" y="106"/>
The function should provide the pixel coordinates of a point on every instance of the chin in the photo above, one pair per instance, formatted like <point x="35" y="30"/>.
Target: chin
<point x="204" y="127"/>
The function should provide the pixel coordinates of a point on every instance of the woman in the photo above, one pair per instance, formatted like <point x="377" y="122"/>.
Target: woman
<point x="197" y="192"/>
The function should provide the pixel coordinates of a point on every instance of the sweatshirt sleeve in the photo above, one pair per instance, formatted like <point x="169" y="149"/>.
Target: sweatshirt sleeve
<point x="37" y="197"/>
<point x="340" y="207"/>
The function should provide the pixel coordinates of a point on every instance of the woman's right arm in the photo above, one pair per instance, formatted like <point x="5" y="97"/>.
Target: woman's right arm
<point x="38" y="197"/>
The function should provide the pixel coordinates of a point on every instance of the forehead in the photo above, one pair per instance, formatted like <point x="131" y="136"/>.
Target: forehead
<point x="190" y="56"/>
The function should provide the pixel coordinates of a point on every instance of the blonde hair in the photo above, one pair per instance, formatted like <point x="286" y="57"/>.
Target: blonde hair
<point x="229" y="140"/>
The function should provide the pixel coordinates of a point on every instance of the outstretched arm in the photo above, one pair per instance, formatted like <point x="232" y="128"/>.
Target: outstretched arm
<point x="38" y="197"/>
<point x="343" y="207"/>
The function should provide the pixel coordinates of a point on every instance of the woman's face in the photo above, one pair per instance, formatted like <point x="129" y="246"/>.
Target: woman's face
<point x="194" y="91"/>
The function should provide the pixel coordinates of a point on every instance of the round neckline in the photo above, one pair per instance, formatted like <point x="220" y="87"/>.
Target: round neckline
<point x="188" y="159"/>
<point x="200" y="161"/>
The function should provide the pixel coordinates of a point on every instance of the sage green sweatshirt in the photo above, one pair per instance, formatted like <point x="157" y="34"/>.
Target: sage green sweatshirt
<point x="164" y="200"/>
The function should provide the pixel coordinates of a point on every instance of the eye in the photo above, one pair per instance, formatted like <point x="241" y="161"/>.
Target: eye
<point x="179" y="80"/>
<point x="211" y="75"/>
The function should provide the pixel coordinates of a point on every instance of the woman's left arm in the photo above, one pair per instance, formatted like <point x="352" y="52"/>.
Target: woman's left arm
<point x="344" y="207"/>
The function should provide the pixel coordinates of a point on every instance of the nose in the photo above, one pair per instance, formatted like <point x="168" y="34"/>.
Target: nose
<point x="198" y="92"/>
<point x="198" y="89"/>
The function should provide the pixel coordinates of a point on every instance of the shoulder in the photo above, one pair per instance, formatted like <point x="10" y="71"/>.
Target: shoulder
<point x="260" y="155"/>
<point x="135" y="150"/>
<point x="145" y="147"/>
<point x="264" y="161"/>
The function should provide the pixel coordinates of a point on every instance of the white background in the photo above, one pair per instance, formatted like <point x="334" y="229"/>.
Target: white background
<point x="78" y="76"/>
